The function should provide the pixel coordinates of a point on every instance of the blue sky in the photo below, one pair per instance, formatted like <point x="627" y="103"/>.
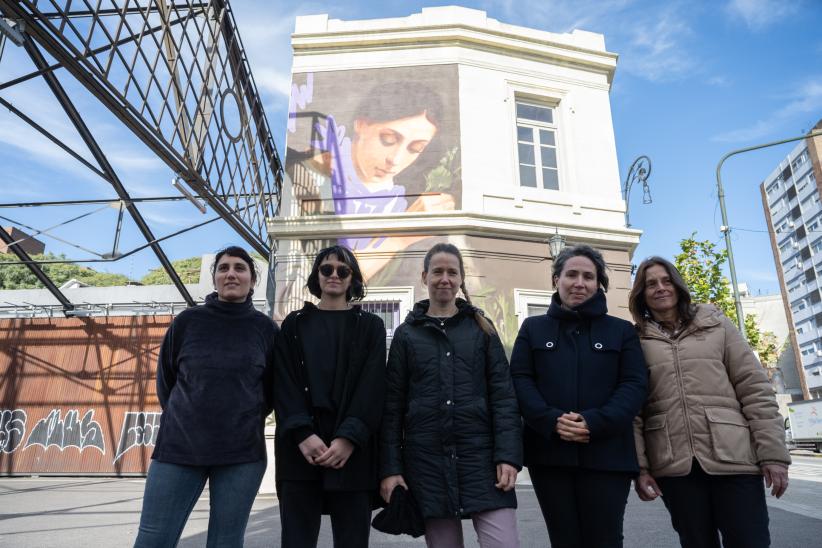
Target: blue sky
<point x="694" y="81"/>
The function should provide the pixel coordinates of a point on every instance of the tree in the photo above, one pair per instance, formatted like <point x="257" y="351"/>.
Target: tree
<point x="187" y="269"/>
<point x="701" y="267"/>
<point x="18" y="276"/>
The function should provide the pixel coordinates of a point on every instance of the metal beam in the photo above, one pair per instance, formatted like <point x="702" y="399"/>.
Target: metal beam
<point x="106" y="167"/>
<point x="44" y="32"/>
<point x="36" y="270"/>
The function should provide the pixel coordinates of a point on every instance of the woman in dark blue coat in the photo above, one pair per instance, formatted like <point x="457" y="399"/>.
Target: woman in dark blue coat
<point x="580" y="380"/>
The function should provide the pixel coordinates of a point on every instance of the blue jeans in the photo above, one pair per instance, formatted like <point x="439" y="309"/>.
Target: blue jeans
<point x="172" y="491"/>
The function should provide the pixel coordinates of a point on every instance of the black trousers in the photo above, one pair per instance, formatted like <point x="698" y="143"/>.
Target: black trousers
<point x="703" y="506"/>
<point x="582" y="508"/>
<point x="302" y="504"/>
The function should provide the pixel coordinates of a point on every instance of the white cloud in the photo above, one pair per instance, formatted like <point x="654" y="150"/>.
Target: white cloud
<point x="759" y="14"/>
<point x="655" y="47"/>
<point x="650" y="38"/>
<point x="806" y="100"/>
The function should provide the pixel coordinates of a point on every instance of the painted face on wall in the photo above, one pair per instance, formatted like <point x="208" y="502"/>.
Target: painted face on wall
<point x="660" y="294"/>
<point x="381" y="150"/>
<point x="443" y="278"/>
<point x="577" y="282"/>
<point x="334" y="277"/>
<point x="232" y="279"/>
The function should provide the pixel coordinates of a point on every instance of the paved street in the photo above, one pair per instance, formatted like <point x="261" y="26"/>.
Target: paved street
<point x="103" y="512"/>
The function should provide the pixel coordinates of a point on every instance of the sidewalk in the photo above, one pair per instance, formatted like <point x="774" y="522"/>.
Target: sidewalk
<point x="104" y="512"/>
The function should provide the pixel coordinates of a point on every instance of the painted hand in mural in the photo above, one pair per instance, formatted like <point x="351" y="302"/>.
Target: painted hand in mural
<point x="337" y="455"/>
<point x="433" y="202"/>
<point x="312" y="448"/>
<point x="572" y="427"/>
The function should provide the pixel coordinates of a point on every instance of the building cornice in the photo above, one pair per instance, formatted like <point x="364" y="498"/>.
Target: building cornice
<point x="445" y="223"/>
<point x="506" y="40"/>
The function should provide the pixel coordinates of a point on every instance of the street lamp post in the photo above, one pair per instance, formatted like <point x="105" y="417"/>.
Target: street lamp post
<point x="639" y="171"/>
<point x="726" y="227"/>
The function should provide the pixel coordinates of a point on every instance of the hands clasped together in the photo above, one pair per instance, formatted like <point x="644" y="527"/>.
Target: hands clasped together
<point x="572" y="427"/>
<point x="317" y="453"/>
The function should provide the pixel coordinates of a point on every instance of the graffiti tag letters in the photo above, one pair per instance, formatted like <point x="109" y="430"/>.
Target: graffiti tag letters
<point x="12" y="429"/>
<point x="139" y="429"/>
<point x="71" y="432"/>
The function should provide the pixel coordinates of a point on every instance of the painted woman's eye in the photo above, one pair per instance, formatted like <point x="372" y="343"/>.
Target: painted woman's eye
<point x="389" y="138"/>
<point x="417" y="147"/>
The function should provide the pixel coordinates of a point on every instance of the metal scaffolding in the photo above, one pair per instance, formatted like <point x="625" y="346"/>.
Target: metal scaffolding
<point x="173" y="73"/>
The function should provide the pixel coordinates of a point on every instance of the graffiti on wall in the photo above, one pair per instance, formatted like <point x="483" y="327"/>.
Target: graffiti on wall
<point x="68" y="432"/>
<point x="139" y="429"/>
<point x="12" y="429"/>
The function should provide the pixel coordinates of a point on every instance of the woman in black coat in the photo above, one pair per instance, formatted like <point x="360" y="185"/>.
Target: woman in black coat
<point x="328" y="395"/>
<point x="580" y="380"/>
<point x="451" y="429"/>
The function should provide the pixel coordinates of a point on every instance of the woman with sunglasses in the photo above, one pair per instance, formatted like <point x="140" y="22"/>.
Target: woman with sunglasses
<point x="328" y="396"/>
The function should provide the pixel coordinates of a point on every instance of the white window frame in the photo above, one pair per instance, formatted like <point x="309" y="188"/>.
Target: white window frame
<point x="524" y="297"/>
<point x="545" y="102"/>
<point x="403" y="294"/>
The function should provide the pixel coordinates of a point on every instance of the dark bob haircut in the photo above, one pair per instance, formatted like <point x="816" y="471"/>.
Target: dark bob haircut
<point x="636" y="299"/>
<point x="581" y="251"/>
<point x="356" y="291"/>
<point x="240" y="253"/>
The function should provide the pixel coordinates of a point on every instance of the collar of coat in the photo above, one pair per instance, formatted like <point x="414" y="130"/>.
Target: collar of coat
<point x="419" y="313"/>
<point x="705" y="316"/>
<point x="594" y="307"/>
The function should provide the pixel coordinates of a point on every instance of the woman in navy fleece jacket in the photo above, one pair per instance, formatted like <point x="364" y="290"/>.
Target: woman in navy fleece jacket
<point x="214" y="384"/>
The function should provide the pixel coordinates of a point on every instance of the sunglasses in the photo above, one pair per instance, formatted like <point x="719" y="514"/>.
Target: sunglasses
<point x="343" y="271"/>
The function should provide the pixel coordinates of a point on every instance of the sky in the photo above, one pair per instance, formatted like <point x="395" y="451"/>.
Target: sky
<point x="694" y="81"/>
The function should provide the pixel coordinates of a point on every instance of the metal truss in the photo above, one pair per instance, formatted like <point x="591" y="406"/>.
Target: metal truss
<point x="176" y="75"/>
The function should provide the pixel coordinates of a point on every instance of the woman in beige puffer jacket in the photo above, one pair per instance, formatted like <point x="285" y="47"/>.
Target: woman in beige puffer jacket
<point x="710" y="428"/>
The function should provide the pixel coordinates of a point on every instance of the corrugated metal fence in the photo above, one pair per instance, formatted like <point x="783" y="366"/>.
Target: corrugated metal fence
<point x="77" y="394"/>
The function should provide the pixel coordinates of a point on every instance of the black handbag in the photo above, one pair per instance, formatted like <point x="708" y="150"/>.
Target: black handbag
<point x="402" y="515"/>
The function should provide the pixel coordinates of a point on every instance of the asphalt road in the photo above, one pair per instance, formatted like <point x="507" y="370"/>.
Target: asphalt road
<point x="103" y="512"/>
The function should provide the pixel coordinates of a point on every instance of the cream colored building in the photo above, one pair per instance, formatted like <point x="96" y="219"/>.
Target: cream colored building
<point x="524" y="149"/>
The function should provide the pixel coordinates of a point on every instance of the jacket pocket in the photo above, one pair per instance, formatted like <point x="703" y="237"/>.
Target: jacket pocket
<point x="730" y="435"/>
<point x="657" y="441"/>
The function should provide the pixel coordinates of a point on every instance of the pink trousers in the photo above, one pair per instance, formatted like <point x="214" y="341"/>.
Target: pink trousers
<point x="494" y="528"/>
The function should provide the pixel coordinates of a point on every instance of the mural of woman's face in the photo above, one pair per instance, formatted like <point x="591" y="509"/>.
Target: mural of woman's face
<point x="381" y="150"/>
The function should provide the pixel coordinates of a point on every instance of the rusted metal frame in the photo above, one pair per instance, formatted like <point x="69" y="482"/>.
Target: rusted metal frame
<point x="241" y="69"/>
<point x="110" y="11"/>
<point x="124" y="255"/>
<point x="94" y="201"/>
<point x="92" y="53"/>
<point x="44" y="32"/>
<point x="53" y="139"/>
<point x="102" y="161"/>
<point x="35" y="269"/>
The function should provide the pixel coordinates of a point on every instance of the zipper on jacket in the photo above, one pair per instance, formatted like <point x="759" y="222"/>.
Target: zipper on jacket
<point x="681" y="383"/>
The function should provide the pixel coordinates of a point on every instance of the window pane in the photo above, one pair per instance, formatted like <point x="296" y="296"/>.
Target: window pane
<point x="546" y="137"/>
<point x="525" y="134"/>
<point x="549" y="156"/>
<point x="533" y="112"/>
<point x="550" y="179"/>
<point x="526" y="154"/>
<point x="537" y="309"/>
<point x="528" y="176"/>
